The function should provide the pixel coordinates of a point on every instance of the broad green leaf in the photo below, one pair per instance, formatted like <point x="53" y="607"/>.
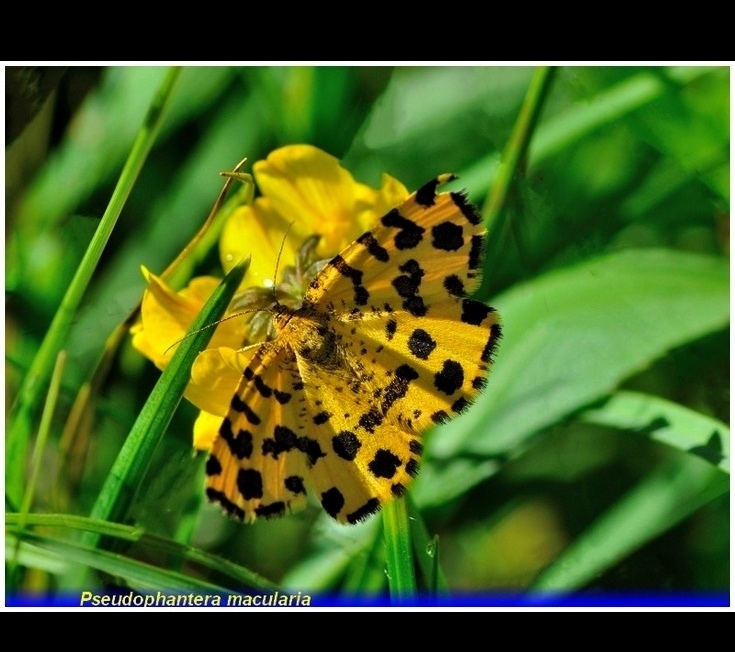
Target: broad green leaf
<point x="573" y="335"/>
<point x="668" y="422"/>
<point x="661" y="500"/>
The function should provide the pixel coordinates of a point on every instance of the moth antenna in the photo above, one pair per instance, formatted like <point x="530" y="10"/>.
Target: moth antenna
<point x="232" y="175"/>
<point x="212" y="325"/>
<point x="278" y="262"/>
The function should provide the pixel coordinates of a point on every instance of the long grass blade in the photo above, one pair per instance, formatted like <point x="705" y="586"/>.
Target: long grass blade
<point x="40" y="369"/>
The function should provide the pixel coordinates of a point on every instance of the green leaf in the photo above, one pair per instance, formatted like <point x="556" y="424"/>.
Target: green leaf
<point x="43" y="557"/>
<point x="425" y="112"/>
<point x="104" y="130"/>
<point x="667" y="422"/>
<point x="582" y="119"/>
<point x="40" y="369"/>
<point x="692" y="128"/>
<point x="335" y="548"/>
<point x="571" y="337"/>
<point x="661" y="500"/>
<point x="132" y="462"/>
<point x="138" y="574"/>
<point x="177" y="213"/>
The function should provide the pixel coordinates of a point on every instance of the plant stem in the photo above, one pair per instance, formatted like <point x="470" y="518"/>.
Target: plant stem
<point x="39" y="371"/>
<point x="517" y="145"/>
<point x="399" y="552"/>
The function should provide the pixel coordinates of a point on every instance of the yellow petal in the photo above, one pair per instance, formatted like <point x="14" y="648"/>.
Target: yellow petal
<point x="376" y="203"/>
<point x="391" y="193"/>
<point x="215" y="375"/>
<point x="206" y="429"/>
<point x="256" y="231"/>
<point x="310" y="188"/>
<point x="167" y="315"/>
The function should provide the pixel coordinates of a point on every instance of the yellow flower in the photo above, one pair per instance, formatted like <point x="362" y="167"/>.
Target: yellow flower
<point x="304" y="192"/>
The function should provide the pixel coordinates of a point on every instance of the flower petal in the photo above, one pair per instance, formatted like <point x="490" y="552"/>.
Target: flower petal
<point x="392" y="192"/>
<point x="206" y="430"/>
<point x="310" y="188"/>
<point x="166" y="316"/>
<point x="215" y="376"/>
<point x="256" y="231"/>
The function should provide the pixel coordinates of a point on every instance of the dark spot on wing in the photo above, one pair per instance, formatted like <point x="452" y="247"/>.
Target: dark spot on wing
<point x="421" y="344"/>
<point x="450" y="378"/>
<point x="447" y="236"/>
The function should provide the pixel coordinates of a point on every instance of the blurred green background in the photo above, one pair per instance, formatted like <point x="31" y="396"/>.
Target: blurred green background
<point x="597" y="460"/>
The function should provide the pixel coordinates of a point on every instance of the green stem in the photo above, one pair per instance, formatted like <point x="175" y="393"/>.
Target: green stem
<point x="43" y="431"/>
<point x="399" y="552"/>
<point x="132" y="462"/>
<point x="426" y="549"/>
<point x="40" y="369"/>
<point x="517" y="146"/>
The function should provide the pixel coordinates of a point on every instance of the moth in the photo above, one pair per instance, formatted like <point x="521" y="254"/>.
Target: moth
<point x="385" y="345"/>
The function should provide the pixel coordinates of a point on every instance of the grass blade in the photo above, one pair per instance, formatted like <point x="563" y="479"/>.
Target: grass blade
<point x="664" y="498"/>
<point x="426" y="549"/>
<point x="399" y="552"/>
<point x="517" y="145"/>
<point x="132" y="462"/>
<point x="38" y="452"/>
<point x="40" y="369"/>
<point x="134" y="534"/>
<point x="667" y="422"/>
<point x="137" y="573"/>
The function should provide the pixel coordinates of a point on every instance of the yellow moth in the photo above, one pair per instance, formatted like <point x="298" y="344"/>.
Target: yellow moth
<point x="385" y="344"/>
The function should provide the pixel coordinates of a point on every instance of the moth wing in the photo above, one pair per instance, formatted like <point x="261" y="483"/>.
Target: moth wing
<point x="255" y="468"/>
<point x="424" y="252"/>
